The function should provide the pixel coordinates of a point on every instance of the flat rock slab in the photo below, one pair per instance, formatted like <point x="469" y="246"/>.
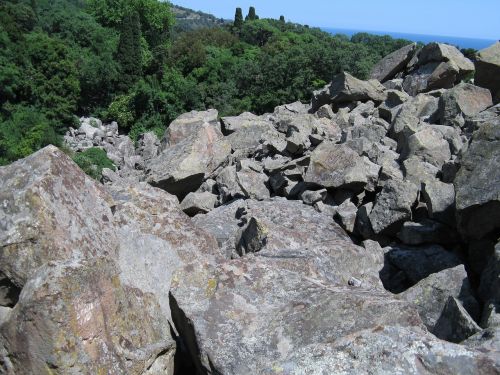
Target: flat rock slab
<point x="269" y="313"/>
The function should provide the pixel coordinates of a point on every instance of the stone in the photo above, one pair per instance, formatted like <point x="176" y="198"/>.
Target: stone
<point x="227" y="184"/>
<point x="393" y="206"/>
<point x="463" y="100"/>
<point x="488" y="70"/>
<point x="76" y="248"/>
<point x="431" y="294"/>
<point x="338" y="166"/>
<point x="431" y="76"/>
<point x="489" y="287"/>
<point x="181" y="167"/>
<point x="245" y="120"/>
<point x="437" y="52"/>
<point x="253" y="237"/>
<point x="312" y="196"/>
<point x="189" y="124"/>
<point x="390" y="107"/>
<point x="268" y="308"/>
<point x="196" y="203"/>
<point x="440" y="200"/>
<point x="346" y="215"/>
<point x="407" y="265"/>
<point x="394" y="84"/>
<point x="429" y="145"/>
<point x="455" y="324"/>
<point x="325" y="112"/>
<point x="418" y="171"/>
<point x="148" y="145"/>
<point x="453" y="136"/>
<point x="393" y="63"/>
<point x="248" y="138"/>
<point x="487" y="341"/>
<point x="477" y="184"/>
<point x="427" y="231"/>
<point x="252" y="183"/>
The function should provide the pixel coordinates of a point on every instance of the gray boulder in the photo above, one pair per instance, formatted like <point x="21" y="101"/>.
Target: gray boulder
<point x="189" y="124"/>
<point x="440" y="200"/>
<point x="427" y="144"/>
<point x="427" y="231"/>
<point x="198" y="202"/>
<point x="393" y="63"/>
<point x="477" y="184"/>
<point x="455" y="324"/>
<point x="488" y="70"/>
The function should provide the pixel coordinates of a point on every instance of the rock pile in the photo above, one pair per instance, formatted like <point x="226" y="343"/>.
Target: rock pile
<point x="358" y="234"/>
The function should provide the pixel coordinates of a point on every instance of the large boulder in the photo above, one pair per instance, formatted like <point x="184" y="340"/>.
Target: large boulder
<point x="338" y="166"/>
<point x="437" y="52"/>
<point x="188" y="124"/>
<point x="393" y="63"/>
<point x="477" y="183"/>
<point x="86" y="269"/>
<point x="192" y="150"/>
<point x="346" y="88"/>
<point x="488" y="70"/>
<point x="269" y="311"/>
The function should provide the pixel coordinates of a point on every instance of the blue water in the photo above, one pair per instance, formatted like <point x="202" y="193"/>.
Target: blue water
<point x="461" y="42"/>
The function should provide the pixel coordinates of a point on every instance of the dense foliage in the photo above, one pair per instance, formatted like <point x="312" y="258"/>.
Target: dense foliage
<point x="92" y="161"/>
<point x="118" y="60"/>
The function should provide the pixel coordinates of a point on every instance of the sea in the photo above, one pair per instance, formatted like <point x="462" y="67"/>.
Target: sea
<point x="456" y="41"/>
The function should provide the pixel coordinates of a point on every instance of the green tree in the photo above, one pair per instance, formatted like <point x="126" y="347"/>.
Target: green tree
<point x="129" y="54"/>
<point x="251" y="16"/>
<point x="282" y="19"/>
<point x="238" y="18"/>
<point x="92" y="161"/>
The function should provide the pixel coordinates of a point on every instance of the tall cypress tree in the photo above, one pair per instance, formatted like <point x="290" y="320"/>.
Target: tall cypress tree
<point x="282" y="19"/>
<point x="129" y="51"/>
<point x="238" y="18"/>
<point x="251" y="14"/>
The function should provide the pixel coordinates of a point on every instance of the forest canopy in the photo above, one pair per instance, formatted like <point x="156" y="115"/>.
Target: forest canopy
<point x="119" y="60"/>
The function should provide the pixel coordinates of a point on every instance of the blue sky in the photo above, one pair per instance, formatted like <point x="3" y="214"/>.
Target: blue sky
<point x="463" y="18"/>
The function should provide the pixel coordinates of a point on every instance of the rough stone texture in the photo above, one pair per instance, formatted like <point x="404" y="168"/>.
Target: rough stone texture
<point x="487" y="342"/>
<point x="346" y="215"/>
<point x="252" y="183"/>
<point x="440" y="200"/>
<point x="489" y="288"/>
<point x="431" y="294"/>
<point x="268" y="312"/>
<point x="427" y="231"/>
<point x="455" y="324"/>
<point x="429" y="145"/>
<point x="488" y="70"/>
<point x="247" y="137"/>
<point x="393" y="206"/>
<point x="434" y="75"/>
<point x="93" y="268"/>
<point x="196" y="203"/>
<point x="189" y="124"/>
<point x="338" y="166"/>
<point x="463" y="100"/>
<point x="387" y="350"/>
<point x="407" y="265"/>
<point x="393" y="63"/>
<point x="182" y="167"/>
<point x="477" y="183"/>
<point x="445" y="52"/>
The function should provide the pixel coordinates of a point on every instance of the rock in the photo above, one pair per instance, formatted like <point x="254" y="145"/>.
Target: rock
<point x="387" y="350"/>
<point x="253" y="237"/>
<point x="346" y="215"/>
<point x="245" y="120"/>
<point x="437" y="52"/>
<point x="148" y="146"/>
<point x="393" y="63"/>
<point x="181" y="167"/>
<point x="189" y="124"/>
<point x="418" y="171"/>
<point x="196" y="203"/>
<point x="487" y="342"/>
<point x="431" y="294"/>
<point x="227" y="184"/>
<point x="455" y="324"/>
<point x="252" y="183"/>
<point x="477" y="184"/>
<point x="346" y="88"/>
<point x="452" y="135"/>
<point x="488" y="70"/>
<point x="247" y="138"/>
<point x="394" y="84"/>
<point x="429" y="145"/>
<point x="338" y="166"/>
<point x="440" y="200"/>
<point x="393" y="206"/>
<point x="427" y="231"/>
<point x="269" y="311"/>
<point x="489" y="287"/>
<point x="406" y="265"/>
<point x="390" y="107"/>
<point x="312" y="196"/>
<point x="431" y="76"/>
<point x="76" y="248"/>
<point x="463" y="100"/>
<point x="325" y="112"/>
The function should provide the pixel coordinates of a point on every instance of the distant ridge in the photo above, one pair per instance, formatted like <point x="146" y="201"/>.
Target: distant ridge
<point x="189" y="19"/>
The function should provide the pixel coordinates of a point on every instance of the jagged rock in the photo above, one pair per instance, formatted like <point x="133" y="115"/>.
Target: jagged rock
<point x="394" y="84"/>
<point x="189" y="124"/>
<point x="312" y="196"/>
<point x="418" y="171"/>
<point x="488" y="70"/>
<point x="445" y="52"/>
<point x="477" y="184"/>
<point x="487" y="342"/>
<point x="455" y="324"/>
<point x="452" y="135"/>
<point x="440" y="200"/>
<point x="407" y="265"/>
<point x="270" y="307"/>
<point x="346" y="215"/>
<point x="253" y="237"/>
<point x="181" y="167"/>
<point x="463" y="100"/>
<point x="393" y="206"/>
<point x="393" y="63"/>
<point x="391" y="106"/>
<point x="431" y="294"/>
<point x="245" y="120"/>
<point x="338" y="166"/>
<point x="325" y="112"/>
<point x="397" y="350"/>
<point x="148" y="146"/>
<point x="227" y="184"/>
<point x="429" y="145"/>
<point x="489" y="287"/>
<point x="247" y="138"/>
<point x="76" y="250"/>
<point x="346" y="88"/>
<point x="433" y="75"/>
<point x="252" y="183"/>
<point x="426" y="231"/>
<point x="196" y="203"/>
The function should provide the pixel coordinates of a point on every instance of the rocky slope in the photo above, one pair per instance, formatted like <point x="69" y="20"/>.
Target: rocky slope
<point x="357" y="234"/>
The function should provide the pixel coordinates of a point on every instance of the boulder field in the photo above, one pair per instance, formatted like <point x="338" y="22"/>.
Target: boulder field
<point x="357" y="234"/>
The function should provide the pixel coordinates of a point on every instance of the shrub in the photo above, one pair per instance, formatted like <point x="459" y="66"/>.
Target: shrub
<point x="92" y="161"/>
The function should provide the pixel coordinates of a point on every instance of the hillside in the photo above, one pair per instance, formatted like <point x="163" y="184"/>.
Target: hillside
<point x="188" y="19"/>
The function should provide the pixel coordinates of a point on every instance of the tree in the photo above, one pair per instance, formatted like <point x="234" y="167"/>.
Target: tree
<point x="251" y="15"/>
<point x="238" y="18"/>
<point x="129" y="54"/>
<point x="282" y="19"/>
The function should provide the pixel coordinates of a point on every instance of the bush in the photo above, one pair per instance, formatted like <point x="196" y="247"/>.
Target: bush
<point x="92" y="161"/>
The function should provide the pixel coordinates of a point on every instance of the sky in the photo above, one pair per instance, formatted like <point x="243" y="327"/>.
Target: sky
<point x="461" y="18"/>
